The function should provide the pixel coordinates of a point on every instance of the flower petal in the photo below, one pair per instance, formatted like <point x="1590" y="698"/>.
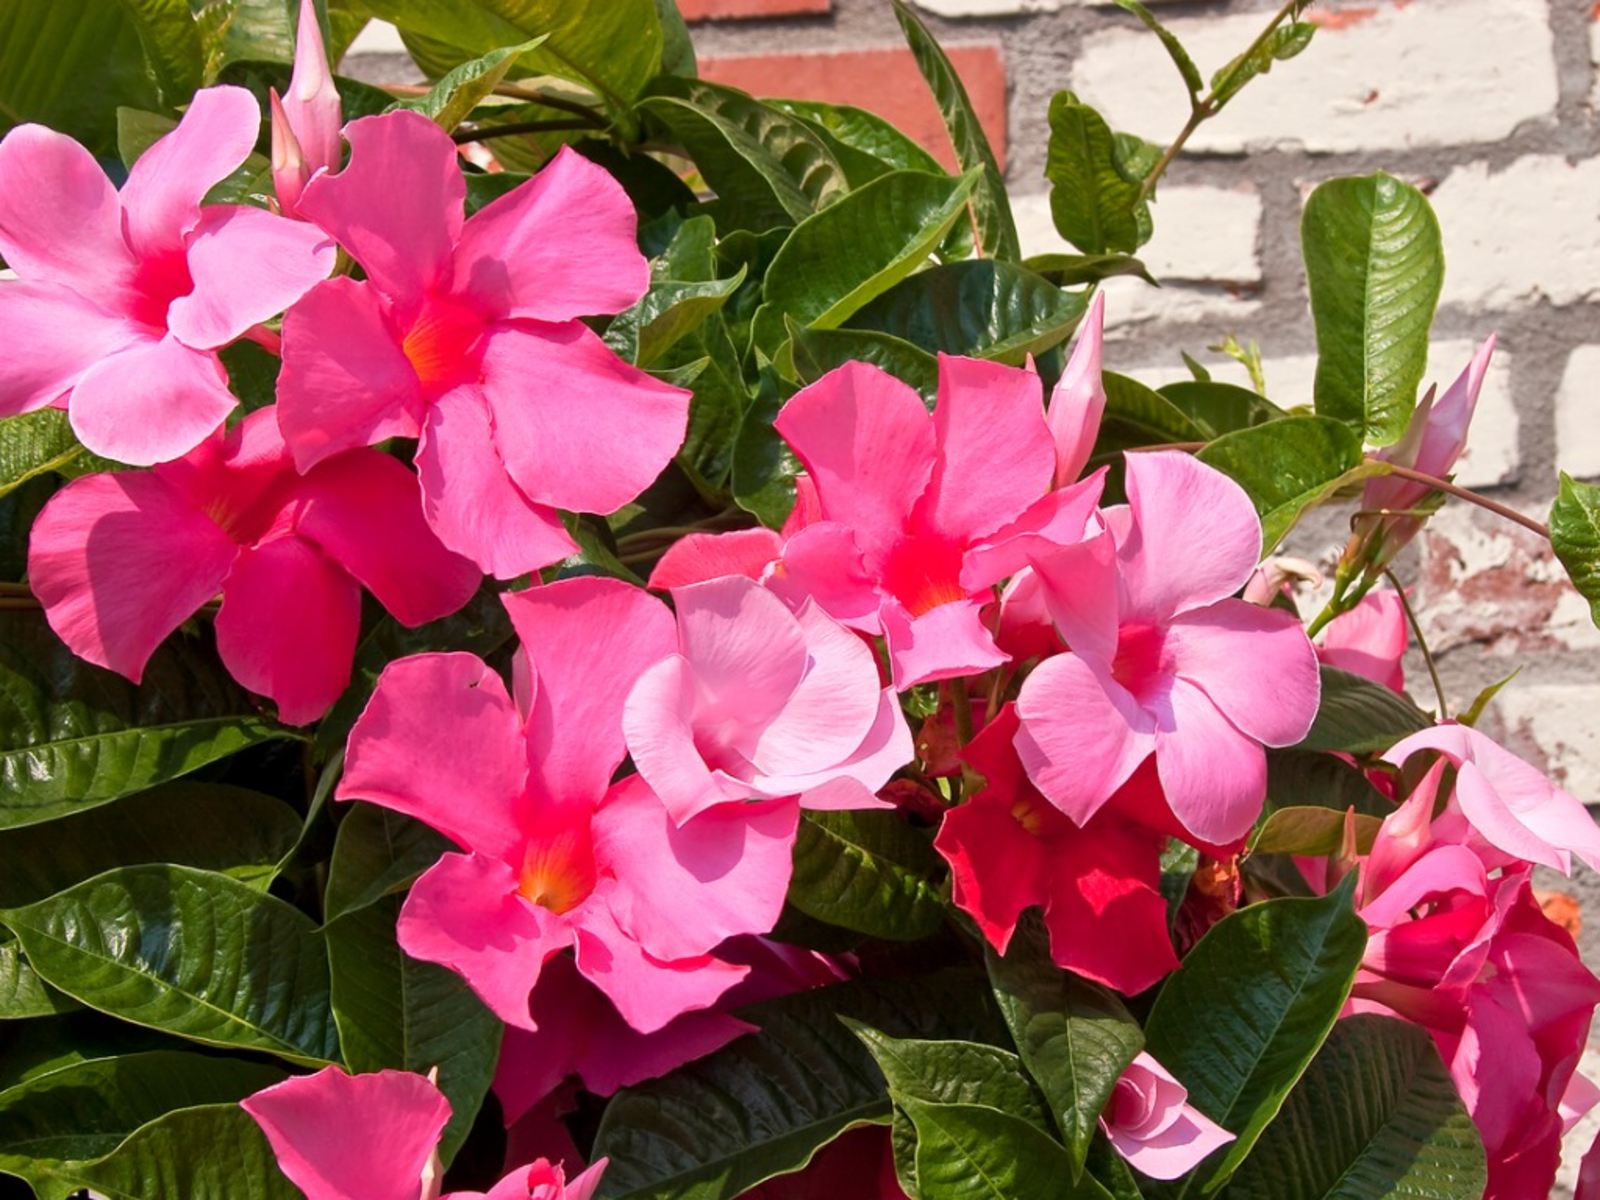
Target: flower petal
<point x="60" y="218"/>
<point x="150" y="402"/>
<point x="656" y="723"/>
<point x="1079" y="400"/>
<point x="697" y="557"/>
<point x="942" y="643"/>
<point x="831" y="709"/>
<point x="441" y="741"/>
<point x="747" y="651"/>
<point x="121" y="560"/>
<point x="303" y="662"/>
<point x="248" y="266"/>
<point x="997" y="870"/>
<point x="49" y="336"/>
<point x="1256" y="665"/>
<point x="578" y="428"/>
<point x="1214" y="777"/>
<point x="562" y="245"/>
<point x="648" y="992"/>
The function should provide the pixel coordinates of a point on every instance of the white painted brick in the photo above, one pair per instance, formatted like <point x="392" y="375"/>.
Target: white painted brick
<point x="1491" y="456"/>
<point x="1424" y="73"/>
<point x="1594" y="61"/>
<point x="379" y="37"/>
<point x="990" y="8"/>
<point x="1557" y="719"/>
<point x="1578" y="414"/>
<point x="1514" y="237"/>
<point x="1205" y="236"/>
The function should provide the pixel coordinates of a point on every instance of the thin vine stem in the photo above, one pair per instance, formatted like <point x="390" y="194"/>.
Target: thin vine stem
<point x="1422" y="642"/>
<point x="1494" y="506"/>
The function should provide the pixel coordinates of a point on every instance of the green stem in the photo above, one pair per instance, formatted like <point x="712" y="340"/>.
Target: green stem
<point x="1422" y="643"/>
<point x="961" y="713"/>
<point x="516" y="129"/>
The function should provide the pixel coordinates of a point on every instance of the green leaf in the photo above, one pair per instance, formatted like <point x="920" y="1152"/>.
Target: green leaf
<point x="1575" y="537"/>
<point x="1094" y="197"/>
<point x="213" y="1152"/>
<point x="665" y="315"/>
<point x="1170" y="43"/>
<point x="73" y="736"/>
<point x="677" y="51"/>
<point x="1296" y="778"/>
<point x="448" y="102"/>
<point x="1075" y="1037"/>
<point x="171" y="42"/>
<point x="1282" y="43"/>
<point x="190" y="952"/>
<point x="1358" y="716"/>
<point x="967" y="1152"/>
<point x="378" y="852"/>
<point x="85" y="1110"/>
<point x="763" y="465"/>
<point x="767" y="168"/>
<point x="991" y="208"/>
<point x="211" y="826"/>
<point x="1146" y="414"/>
<point x="1065" y="270"/>
<point x="49" y="49"/>
<point x="1374" y="267"/>
<point x="716" y="408"/>
<point x="818" y="351"/>
<point x="1288" y="467"/>
<point x="1312" y="831"/>
<point x="1240" y="1019"/>
<point x="864" y="144"/>
<point x="867" y="871"/>
<point x="22" y="992"/>
<point x="836" y="261"/>
<point x="1221" y="407"/>
<point x="982" y="309"/>
<point x="249" y="183"/>
<point x="246" y="30"/>
<point x="1376" y="1114"/>
<point x="762" y="1105"/>
<point x="395" y="1011"/>
<point x="34" y="444"/>
<point x="950" y="1072"/>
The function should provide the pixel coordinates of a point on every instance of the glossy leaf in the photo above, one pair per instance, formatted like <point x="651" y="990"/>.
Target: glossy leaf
<point x="1170" y="43"/>
<point x="1374" y="267"/>
<point x="818" y="351"/>
<point x="22" y="993"/>
<point x="864" y="144"/>
<point x="716" y="408"/>
<point x="836" y="261"/>
<point x="1575" y="538"/>
<point x="448" y="102"/>
<point x="396" y="1011"/>
<point x="763" y="465"/>
<point x="947" y="1072"/>
<point x="34" y="444"/>
<point x="190" y="952"/>
<point x="1221" y="407"/>
<point x="211" y="826"/>
<point x="1239" y="1021"/>
<point x="982" y="309"/>
<point x="73" y="736"/>
<point x="1075" y="1037"/>
<point x="665" y="315"/>
<point x="762" y="1105"/>
<point x="1094" y="196"/>
<point x="1358" y="716"/>
<point x="1288" y="467"/>
<point x="1376" y="1114"/>
<point x="1145" y="414"/>
<point x="1312" y="831"/>
<point x="171" y="41"/>
<point x="378" y="852"/>
<point x="991" y="207"/>
<point x="1281" y="44"/>
<point x="1065" y="270"/>
<point x="867" y="871"/>
<point x="1298" y="778"/>
<point x="969" y="1152"/>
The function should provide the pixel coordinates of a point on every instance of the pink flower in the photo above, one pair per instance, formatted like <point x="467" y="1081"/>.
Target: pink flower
<point x="1152" y="1125"/>
<point x="120" y="560"/>
<point x="921" y="515"/>
<point x="1369" y="640"/>
<point x="1163" y="659"/>
<point x="122" y="300"/>
<point x="399" y="1116"/>
<point x="759" y="702"/>
<point x="1098" y="886"/>
<point x="465" y="335"/>
<point x="305" y="123"/>
<point x="1079" y="400"/>
<point x="557" y="855"/>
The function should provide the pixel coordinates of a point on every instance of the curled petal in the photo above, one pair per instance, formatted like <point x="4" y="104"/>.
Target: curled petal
<point x="1152" y="1125"/>
<point x="150" y="402"/>
<point x="648" y="992"/>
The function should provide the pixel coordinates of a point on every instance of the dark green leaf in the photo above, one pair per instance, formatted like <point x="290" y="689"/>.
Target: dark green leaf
<point x="1240" y="1019"/>
<point x="715" y="410"/>
<point x="22" y="993"/>
<point x="818" y="351"/>
<point x="1312" y="831"/>
<point x="1065" y="270"/>
<point x="378" y="852"/>
<point x="249" y="183"/>
<point x="246" y="30"/>
<point x="449" y="101"/>
<point x="997" y="229"/>
<point x="1358" y="716"/>
<point x="190" y="952"/>
<point x="946" y="1072"/>
<point x="1288" y="467"/>
<point x="1575" y="537"/>
<point x="1374" y="267"/>
<point x="763" y="465"/>
<point x="1146" y="413"/>
<point x="1221" y="407"/>
<point x="864" y="144"/>
<point x="1075" y="1037"/>
<point x="677" y="50"/>
<point x="867" y="871"/>
<point x="966" y="1152"/>
<point x="171" y="41"/>
<point x="664" y="315"/>
<point x="1376" y="1114"/>
<point x="395" y="1011"/>
<point x="73" y="736"/>
<point x="1094" y="198"/>
<point x="983" y="309"/>
<point x="34" y="444"/>
<point x="1296" y="778"/>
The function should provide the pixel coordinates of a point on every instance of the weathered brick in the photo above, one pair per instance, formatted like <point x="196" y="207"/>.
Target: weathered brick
<point x="884" y="80"/>
<point x="379" y="37"/>
<point x="1553" y="724"/>
<point x="1520" y="235"/>
<point x="1385" y="76"/>
<point x="721" y="10"/>
<point x="1578" y="414"/>
<point x="990" y="8"/>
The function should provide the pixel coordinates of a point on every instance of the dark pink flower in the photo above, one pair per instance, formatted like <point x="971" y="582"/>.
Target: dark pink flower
<point x="465" y="334"/>
<point x="120" y="560"/>
<point x="122" y="300"/>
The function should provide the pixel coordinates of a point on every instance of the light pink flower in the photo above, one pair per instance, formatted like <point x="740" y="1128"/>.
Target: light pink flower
<point x="122" y="300"/>
<point x="1369" y="640"/>
<point x="1163" y="660"/>
<point x="1078" y="401"/>
<point x="465" y="334"/>
<point x="921" y="515"/>
<point x="557" y="855"/>
<point x="759" y="702"/>
<point x="120" y="560"/>
<point x="305" y="122"/>
<point x="1152" y="1125"/>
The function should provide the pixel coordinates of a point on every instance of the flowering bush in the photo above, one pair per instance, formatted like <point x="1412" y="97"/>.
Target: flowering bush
<point x="812" y="728"/>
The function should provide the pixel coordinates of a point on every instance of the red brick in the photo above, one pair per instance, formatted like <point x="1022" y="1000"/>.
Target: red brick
<point x="884" y="81"/>
<point x="722" y="10"/>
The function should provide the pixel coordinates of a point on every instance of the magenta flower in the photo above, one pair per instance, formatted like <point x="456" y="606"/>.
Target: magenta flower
<point x="1153" y="1126"/>
<point x="556" y="855"/>
<point x="1163" y="659"/>
<point x="759" y="702"/>
<point x="920" y="514"/>
<point x="398" y="1116"/>
<point x="120" y="560"/>
<point x="464" y="334"/>
<point x="305" y="122"/>
<point x="122" y="300"/>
